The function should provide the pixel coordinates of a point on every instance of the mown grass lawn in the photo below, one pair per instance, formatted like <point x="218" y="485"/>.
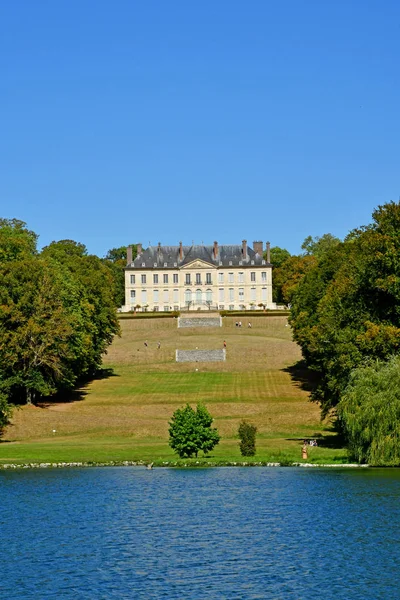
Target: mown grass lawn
<point x="124" y="415"/>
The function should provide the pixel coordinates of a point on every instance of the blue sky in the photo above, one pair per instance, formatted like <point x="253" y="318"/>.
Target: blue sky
<point x="217" y="120"/>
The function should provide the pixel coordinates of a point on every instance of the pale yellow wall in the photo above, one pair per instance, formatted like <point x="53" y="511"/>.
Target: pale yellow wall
<point x="181" y="286"/>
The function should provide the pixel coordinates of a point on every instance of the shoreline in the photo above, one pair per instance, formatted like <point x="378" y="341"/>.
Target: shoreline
<point x="176" y="464"/>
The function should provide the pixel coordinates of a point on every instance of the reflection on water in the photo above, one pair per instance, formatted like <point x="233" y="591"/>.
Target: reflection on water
<point x="215" y="533"/>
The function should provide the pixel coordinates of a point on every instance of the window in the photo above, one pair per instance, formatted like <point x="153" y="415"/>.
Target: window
<point x="188" y="296"/>
<point x="263" y="294"/>
<point x="187" y="279"/>
<point x="144" y="297"/>
<point x="166" y="308"/>
<point x="253" y="276"/>
<point x="231" y="294"/>
<point x="198" y="278"/>
<point x="176" y="308"/>
<point x="176" y="296"/>
<point x="221" y="307"/>
<point x="241" y="294"/>
<point x="208" y="278"/>
<point x="253" y="293"/>
<point x="156" y="309"/>
<point x="156" y="296"/>
<point x="165" y="278"/>
<point x="198" y="296"/>
<point x="220" y="278"/>
<point x="175" y="277"/>
<point x="241" y="277"/>
<point x="143" y="278"/>
<point x="230" y="277"/>
<point x="231" y="307"/>
<point x="132" y="280"/>
<point x="264" y="276"/>
<point x="133" y="294"/>
<point x="221" y="294"/>
<point x="155" y="279"/>
<point x="208" y="296"/>
<point x="166" y="296"/>
<point x="263" y="262"/>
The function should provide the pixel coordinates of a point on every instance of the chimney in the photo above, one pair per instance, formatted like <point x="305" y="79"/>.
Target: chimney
<point x="258" y="248"/>
<point x="268" y="252"/>
<point x="180" y="251"/>
<point x="244" y="248"/>
<point x="129" y="255"/>
<point x="159" y="247"/>
<point x="139" y="248"/>
<point x="215" y="250"/>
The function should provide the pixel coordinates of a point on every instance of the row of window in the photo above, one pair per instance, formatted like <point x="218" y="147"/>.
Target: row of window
<point x="199" y="295"/>
<point x="198" y="279"/>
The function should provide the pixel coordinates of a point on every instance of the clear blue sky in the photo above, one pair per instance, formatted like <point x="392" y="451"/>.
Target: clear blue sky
<point x="218" y="120"/>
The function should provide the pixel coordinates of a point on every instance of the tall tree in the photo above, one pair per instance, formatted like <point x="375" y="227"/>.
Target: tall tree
<point x="115" y="261"/>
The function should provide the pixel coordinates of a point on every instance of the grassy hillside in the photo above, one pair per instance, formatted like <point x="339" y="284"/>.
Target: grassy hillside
<point x="124" y="415"/>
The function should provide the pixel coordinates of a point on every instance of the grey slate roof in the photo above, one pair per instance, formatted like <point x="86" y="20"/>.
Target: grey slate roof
<point x="156" y="257"/>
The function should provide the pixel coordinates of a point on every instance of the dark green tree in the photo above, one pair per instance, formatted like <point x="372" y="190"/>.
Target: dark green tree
<point x="115" y="261"/>
<point x="190" y="431"/>
<point x="247" y="436"/>
<point x="346" y="308"/>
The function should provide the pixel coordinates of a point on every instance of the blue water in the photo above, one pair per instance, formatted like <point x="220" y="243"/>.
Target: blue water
<point x="235" y="533"/>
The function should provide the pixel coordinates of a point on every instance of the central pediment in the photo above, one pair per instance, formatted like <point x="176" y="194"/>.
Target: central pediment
<point x="199" y="264"/>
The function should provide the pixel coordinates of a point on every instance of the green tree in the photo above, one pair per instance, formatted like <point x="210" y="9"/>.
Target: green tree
<point x="35" y="330"/>
<point x="287" y="277"/>
<point x="190" y="431"/>
<point x="318" y="246"/>
<point x="96" y="320"/>
<point x="278" y="256"/>
<point x="346" y="308"/>
<point x="16" y="241"/>
<point x="115" y="261"/>
<point x="369" y="411"/>
<point x="247" y="436"/>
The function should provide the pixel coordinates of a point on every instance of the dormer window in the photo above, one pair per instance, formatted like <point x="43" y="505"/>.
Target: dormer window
<point x="263" y="262"/>
<point x="143" y="264"/>
<point x="155" y="264"/>
<point x="230" y="263"/>
<point x="220" y="263"/>
<point x="175" y="264"/>
<point x="252" y="262"/>
<point x="240" y="262"/>
<point x="165" y="264"/>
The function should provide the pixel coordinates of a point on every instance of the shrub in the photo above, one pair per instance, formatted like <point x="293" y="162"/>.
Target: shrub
<point x="247" y="435"/>
<point x="190" y="431"/>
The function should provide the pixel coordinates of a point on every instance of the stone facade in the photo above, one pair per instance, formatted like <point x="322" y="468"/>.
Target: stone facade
<point x="197" y="322"/>
<point x="166" y="278"/>
<point x="200" y="355"/>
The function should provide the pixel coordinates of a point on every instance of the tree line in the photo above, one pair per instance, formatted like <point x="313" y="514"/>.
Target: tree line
<point x="345" y="315"/>
<point x="57" y="314"/>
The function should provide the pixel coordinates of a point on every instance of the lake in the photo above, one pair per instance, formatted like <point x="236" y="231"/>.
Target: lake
<point x="235" y="533"/>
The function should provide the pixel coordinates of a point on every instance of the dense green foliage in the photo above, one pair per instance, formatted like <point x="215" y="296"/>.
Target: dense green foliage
<point x="370" y="412"/>
<point x="190" y="431"/>
<point x="347" y="307"/>
<point x="115" y="261"/>
<point x="247" y="436"/>
<point x="57" y="315"/>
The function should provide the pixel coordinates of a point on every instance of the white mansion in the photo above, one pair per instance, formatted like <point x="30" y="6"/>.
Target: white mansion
<point x="165" y="278"/>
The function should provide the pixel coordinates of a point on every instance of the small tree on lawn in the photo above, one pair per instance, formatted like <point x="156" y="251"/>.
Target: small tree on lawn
<point x="247" y="435"/>
<point x="190" y="431"/>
